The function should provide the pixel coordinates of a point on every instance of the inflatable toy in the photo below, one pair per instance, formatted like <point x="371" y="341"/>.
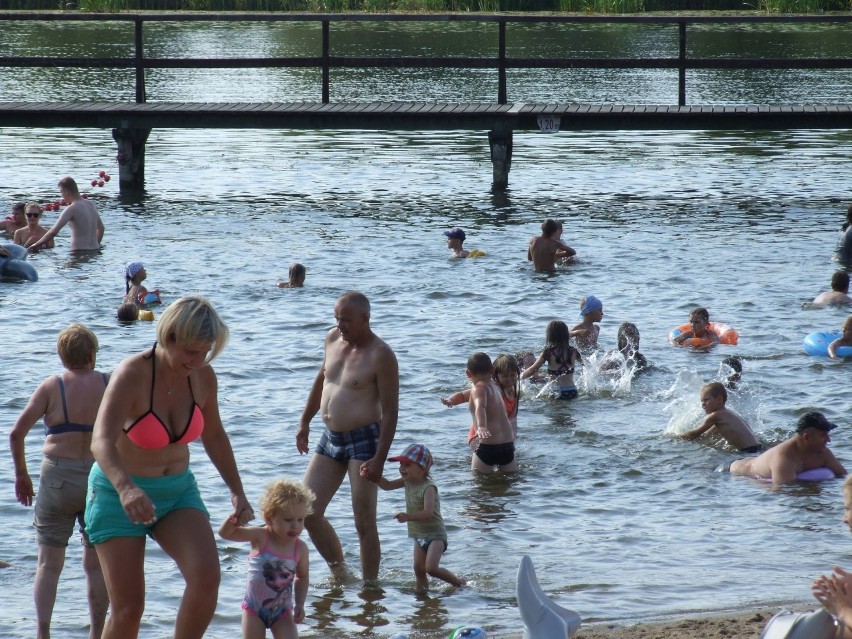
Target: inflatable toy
<point x="468" y="632"/>
<point x="817" y="344"/>
<point x="727" y="335"/>
<point x="476" y="253"/>
<point x="816" y="474"/>
<point x="543" y="618"/>
<point x="13" y="266"/>
<point x="146" y="315"/>
<point x="818" y="624"/>
<point x="152" y="298"/>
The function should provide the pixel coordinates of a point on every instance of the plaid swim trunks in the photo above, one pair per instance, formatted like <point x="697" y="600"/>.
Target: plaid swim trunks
<point x="359" y="444"/>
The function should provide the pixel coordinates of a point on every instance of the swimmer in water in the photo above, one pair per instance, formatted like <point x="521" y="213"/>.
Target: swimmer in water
<point x="806" y="450"/>
<point x="723" y="421"/>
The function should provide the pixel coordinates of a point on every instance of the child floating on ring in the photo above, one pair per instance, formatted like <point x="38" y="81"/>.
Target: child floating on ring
<point x="701" y="332"/>
<point x="845" y="338"/>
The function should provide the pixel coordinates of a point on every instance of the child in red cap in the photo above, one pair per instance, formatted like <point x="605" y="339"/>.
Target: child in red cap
<point x="422" y="514"/>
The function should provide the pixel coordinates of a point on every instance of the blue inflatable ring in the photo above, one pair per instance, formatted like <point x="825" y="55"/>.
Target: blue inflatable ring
<point x="14" y="266"/>
<point x="817" y="344"/>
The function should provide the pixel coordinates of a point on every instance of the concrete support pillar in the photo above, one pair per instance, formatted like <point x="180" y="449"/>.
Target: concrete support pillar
<point x="131" y="157"/>
<point x="500" y="141"/>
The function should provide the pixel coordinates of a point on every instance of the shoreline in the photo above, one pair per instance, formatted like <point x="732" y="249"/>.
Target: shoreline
<point x="746" y="623"/>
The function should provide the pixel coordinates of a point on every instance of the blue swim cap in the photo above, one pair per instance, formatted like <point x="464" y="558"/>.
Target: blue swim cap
<point x="591" y="303"/>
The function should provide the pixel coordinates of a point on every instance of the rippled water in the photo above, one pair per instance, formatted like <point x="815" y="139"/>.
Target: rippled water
<point x="622" y="522"/>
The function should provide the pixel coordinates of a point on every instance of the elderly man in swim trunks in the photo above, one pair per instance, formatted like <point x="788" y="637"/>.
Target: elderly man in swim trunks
<point x="357" y="394"/>
<point x="806" y="450"/>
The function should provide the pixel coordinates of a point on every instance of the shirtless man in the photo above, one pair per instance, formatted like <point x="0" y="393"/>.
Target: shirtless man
<point x="545" y="249"/>
<point x="87" y="229"/>
<point x="806" y="450"/>
<point x="17" y="220"/>
<point x="723" y="421"/>
<point x="496" y="447"/>
<point x="357" y="394"/>
<point x="839" y="293"/>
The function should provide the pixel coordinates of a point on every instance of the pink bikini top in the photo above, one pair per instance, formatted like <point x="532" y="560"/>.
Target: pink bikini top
<point x="150" y="432"/>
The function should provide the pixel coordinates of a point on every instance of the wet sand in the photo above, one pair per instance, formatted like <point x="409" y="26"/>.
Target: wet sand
<point x="728" y="625"/>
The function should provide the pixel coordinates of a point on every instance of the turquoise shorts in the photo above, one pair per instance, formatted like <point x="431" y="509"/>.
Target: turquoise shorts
<point x="105" y="517"/>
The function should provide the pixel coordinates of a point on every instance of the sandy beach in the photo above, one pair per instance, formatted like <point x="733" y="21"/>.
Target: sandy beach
<point x="728" y="625"/>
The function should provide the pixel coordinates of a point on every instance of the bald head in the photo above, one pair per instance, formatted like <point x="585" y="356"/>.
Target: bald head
<point x="356" y="301"/>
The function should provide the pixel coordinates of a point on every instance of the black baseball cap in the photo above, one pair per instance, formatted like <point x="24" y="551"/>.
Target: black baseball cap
<point x="814" y="419"/>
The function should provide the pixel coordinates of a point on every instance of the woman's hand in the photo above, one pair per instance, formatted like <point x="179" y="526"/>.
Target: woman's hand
<point x="138" y="506"/>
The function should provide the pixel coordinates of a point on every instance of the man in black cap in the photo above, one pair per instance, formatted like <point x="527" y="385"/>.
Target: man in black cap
<point x="806" y="450"/>
<point x="455" y="239"/>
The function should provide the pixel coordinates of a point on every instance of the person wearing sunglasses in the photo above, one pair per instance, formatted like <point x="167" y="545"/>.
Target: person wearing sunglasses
<point x="33" y="231"/>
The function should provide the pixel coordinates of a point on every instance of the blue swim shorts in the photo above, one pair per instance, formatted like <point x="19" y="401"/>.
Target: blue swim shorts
<point x="568" y="392"/>
<point x="105" y="517"/>
<point x="424" y="543"/>
<point x="360" y="444"/>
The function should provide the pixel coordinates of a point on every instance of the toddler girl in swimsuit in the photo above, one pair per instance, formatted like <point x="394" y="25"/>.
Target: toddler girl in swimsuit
<point x="507" y="375"/>
<point x="422" y="514"/>
<point x="561" y="359"/>
<point x="278" y="562"/>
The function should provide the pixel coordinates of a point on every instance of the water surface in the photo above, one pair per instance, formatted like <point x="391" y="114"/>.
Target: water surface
<point x="622" y="522"/>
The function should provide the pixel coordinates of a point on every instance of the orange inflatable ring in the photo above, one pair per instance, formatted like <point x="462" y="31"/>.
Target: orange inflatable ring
<point x="727" y="335"/>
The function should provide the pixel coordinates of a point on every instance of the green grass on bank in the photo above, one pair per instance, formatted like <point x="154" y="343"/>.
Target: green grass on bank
<point x="383" y="6"/>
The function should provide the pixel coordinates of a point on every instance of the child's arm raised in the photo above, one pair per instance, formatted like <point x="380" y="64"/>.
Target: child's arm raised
<point x="387" y="484"/>
<point x="428" y="511"/>
<point x="456" y="398"/>
<point x="533" y="368"/>
<point x="302" y="580"/>
<point x="232" y="531"/>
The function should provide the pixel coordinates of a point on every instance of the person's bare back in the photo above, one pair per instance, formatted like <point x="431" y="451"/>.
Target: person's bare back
<point x="806" y="450"/>
<point x="87" y="229"/>
<point x="545" y="249"/>
<point x="489" y="413"/>
<point x="733" y="428"/>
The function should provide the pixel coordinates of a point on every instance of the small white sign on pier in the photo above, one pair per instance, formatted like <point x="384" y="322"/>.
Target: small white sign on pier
<point x="549" y="123"/>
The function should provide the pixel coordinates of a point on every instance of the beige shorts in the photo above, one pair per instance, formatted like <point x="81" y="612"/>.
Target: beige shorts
<point x="61" y="500"/>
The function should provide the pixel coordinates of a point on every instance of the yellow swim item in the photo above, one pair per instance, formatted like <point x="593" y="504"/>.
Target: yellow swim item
<point x="146" y="315"/>
<point x="476" y="253"/>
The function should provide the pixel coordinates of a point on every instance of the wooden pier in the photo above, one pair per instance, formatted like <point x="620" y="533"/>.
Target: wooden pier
<point x="131" y="122"/>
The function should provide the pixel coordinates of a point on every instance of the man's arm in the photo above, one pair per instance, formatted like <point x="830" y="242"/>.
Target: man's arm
<point x="312" y="406"/>
<point x="834" y="464"/>
<point x="782" y="470"/>
<point x="566" y="251"/>
<point x="64" y="218"/>
<point x="387" y="385"/>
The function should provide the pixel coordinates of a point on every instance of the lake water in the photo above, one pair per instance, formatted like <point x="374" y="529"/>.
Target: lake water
<point x="622" y="522"/>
